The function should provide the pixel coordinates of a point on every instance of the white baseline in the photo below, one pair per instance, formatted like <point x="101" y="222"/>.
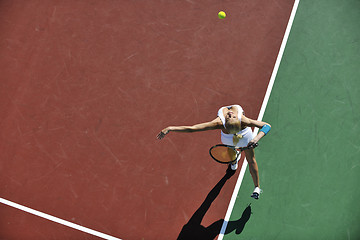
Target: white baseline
<point x="57" y="220"/>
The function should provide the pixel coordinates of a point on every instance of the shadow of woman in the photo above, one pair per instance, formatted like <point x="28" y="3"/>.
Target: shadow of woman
<point x="193" y="228"/>
<point x="239" y="225"/>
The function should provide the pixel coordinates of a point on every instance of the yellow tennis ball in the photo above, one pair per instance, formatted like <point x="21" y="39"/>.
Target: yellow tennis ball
<point x="222" y="15"/>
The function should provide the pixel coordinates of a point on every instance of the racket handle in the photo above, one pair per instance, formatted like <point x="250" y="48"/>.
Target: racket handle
<point x="252" y="146"/>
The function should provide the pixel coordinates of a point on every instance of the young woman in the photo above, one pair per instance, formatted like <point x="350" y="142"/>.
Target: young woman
<point x="235" y="131"/>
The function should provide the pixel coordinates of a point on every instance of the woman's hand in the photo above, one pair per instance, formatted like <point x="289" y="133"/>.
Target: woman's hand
<point x="163" y="132"/>
<point x="253" y="143"/>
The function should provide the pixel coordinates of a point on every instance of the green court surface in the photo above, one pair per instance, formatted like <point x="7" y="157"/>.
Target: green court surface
<point x="309" y="163"/>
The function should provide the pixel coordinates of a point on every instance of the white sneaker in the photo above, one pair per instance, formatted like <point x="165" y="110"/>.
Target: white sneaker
<point x="256" y="193"/>
<point x="234" y="165"/>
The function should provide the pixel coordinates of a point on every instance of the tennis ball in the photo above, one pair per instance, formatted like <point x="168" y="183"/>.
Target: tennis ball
<point x="222" y="15"/>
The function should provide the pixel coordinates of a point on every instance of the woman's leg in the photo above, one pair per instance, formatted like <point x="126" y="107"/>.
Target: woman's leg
<point x="253" y="167"/>
<point x="254" y="171"/>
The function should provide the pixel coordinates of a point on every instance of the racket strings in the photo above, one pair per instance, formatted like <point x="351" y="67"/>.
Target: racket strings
<point x="224" y="154"/>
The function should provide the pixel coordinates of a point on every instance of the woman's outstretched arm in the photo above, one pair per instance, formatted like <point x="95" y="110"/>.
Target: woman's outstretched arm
<point x="215" y="124"/>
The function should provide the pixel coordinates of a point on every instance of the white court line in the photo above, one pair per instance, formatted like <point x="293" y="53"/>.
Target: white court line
<point x="57" y="220"/>
<point x="261" y="114"/>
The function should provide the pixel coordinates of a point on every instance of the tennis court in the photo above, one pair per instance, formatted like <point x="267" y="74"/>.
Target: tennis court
<point x="87" y="85"/>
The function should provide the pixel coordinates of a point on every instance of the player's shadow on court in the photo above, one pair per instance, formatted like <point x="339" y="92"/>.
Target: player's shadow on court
<point x="194" y="230"/>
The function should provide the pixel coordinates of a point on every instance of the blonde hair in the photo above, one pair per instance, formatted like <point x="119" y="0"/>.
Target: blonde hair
<point x="233" y="125"/>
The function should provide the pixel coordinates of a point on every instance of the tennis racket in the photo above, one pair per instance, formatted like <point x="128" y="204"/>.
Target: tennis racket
<point x="226" y="154"/>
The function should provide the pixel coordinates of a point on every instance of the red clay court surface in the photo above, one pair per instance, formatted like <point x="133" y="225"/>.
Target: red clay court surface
<point x="87" y="85"/>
